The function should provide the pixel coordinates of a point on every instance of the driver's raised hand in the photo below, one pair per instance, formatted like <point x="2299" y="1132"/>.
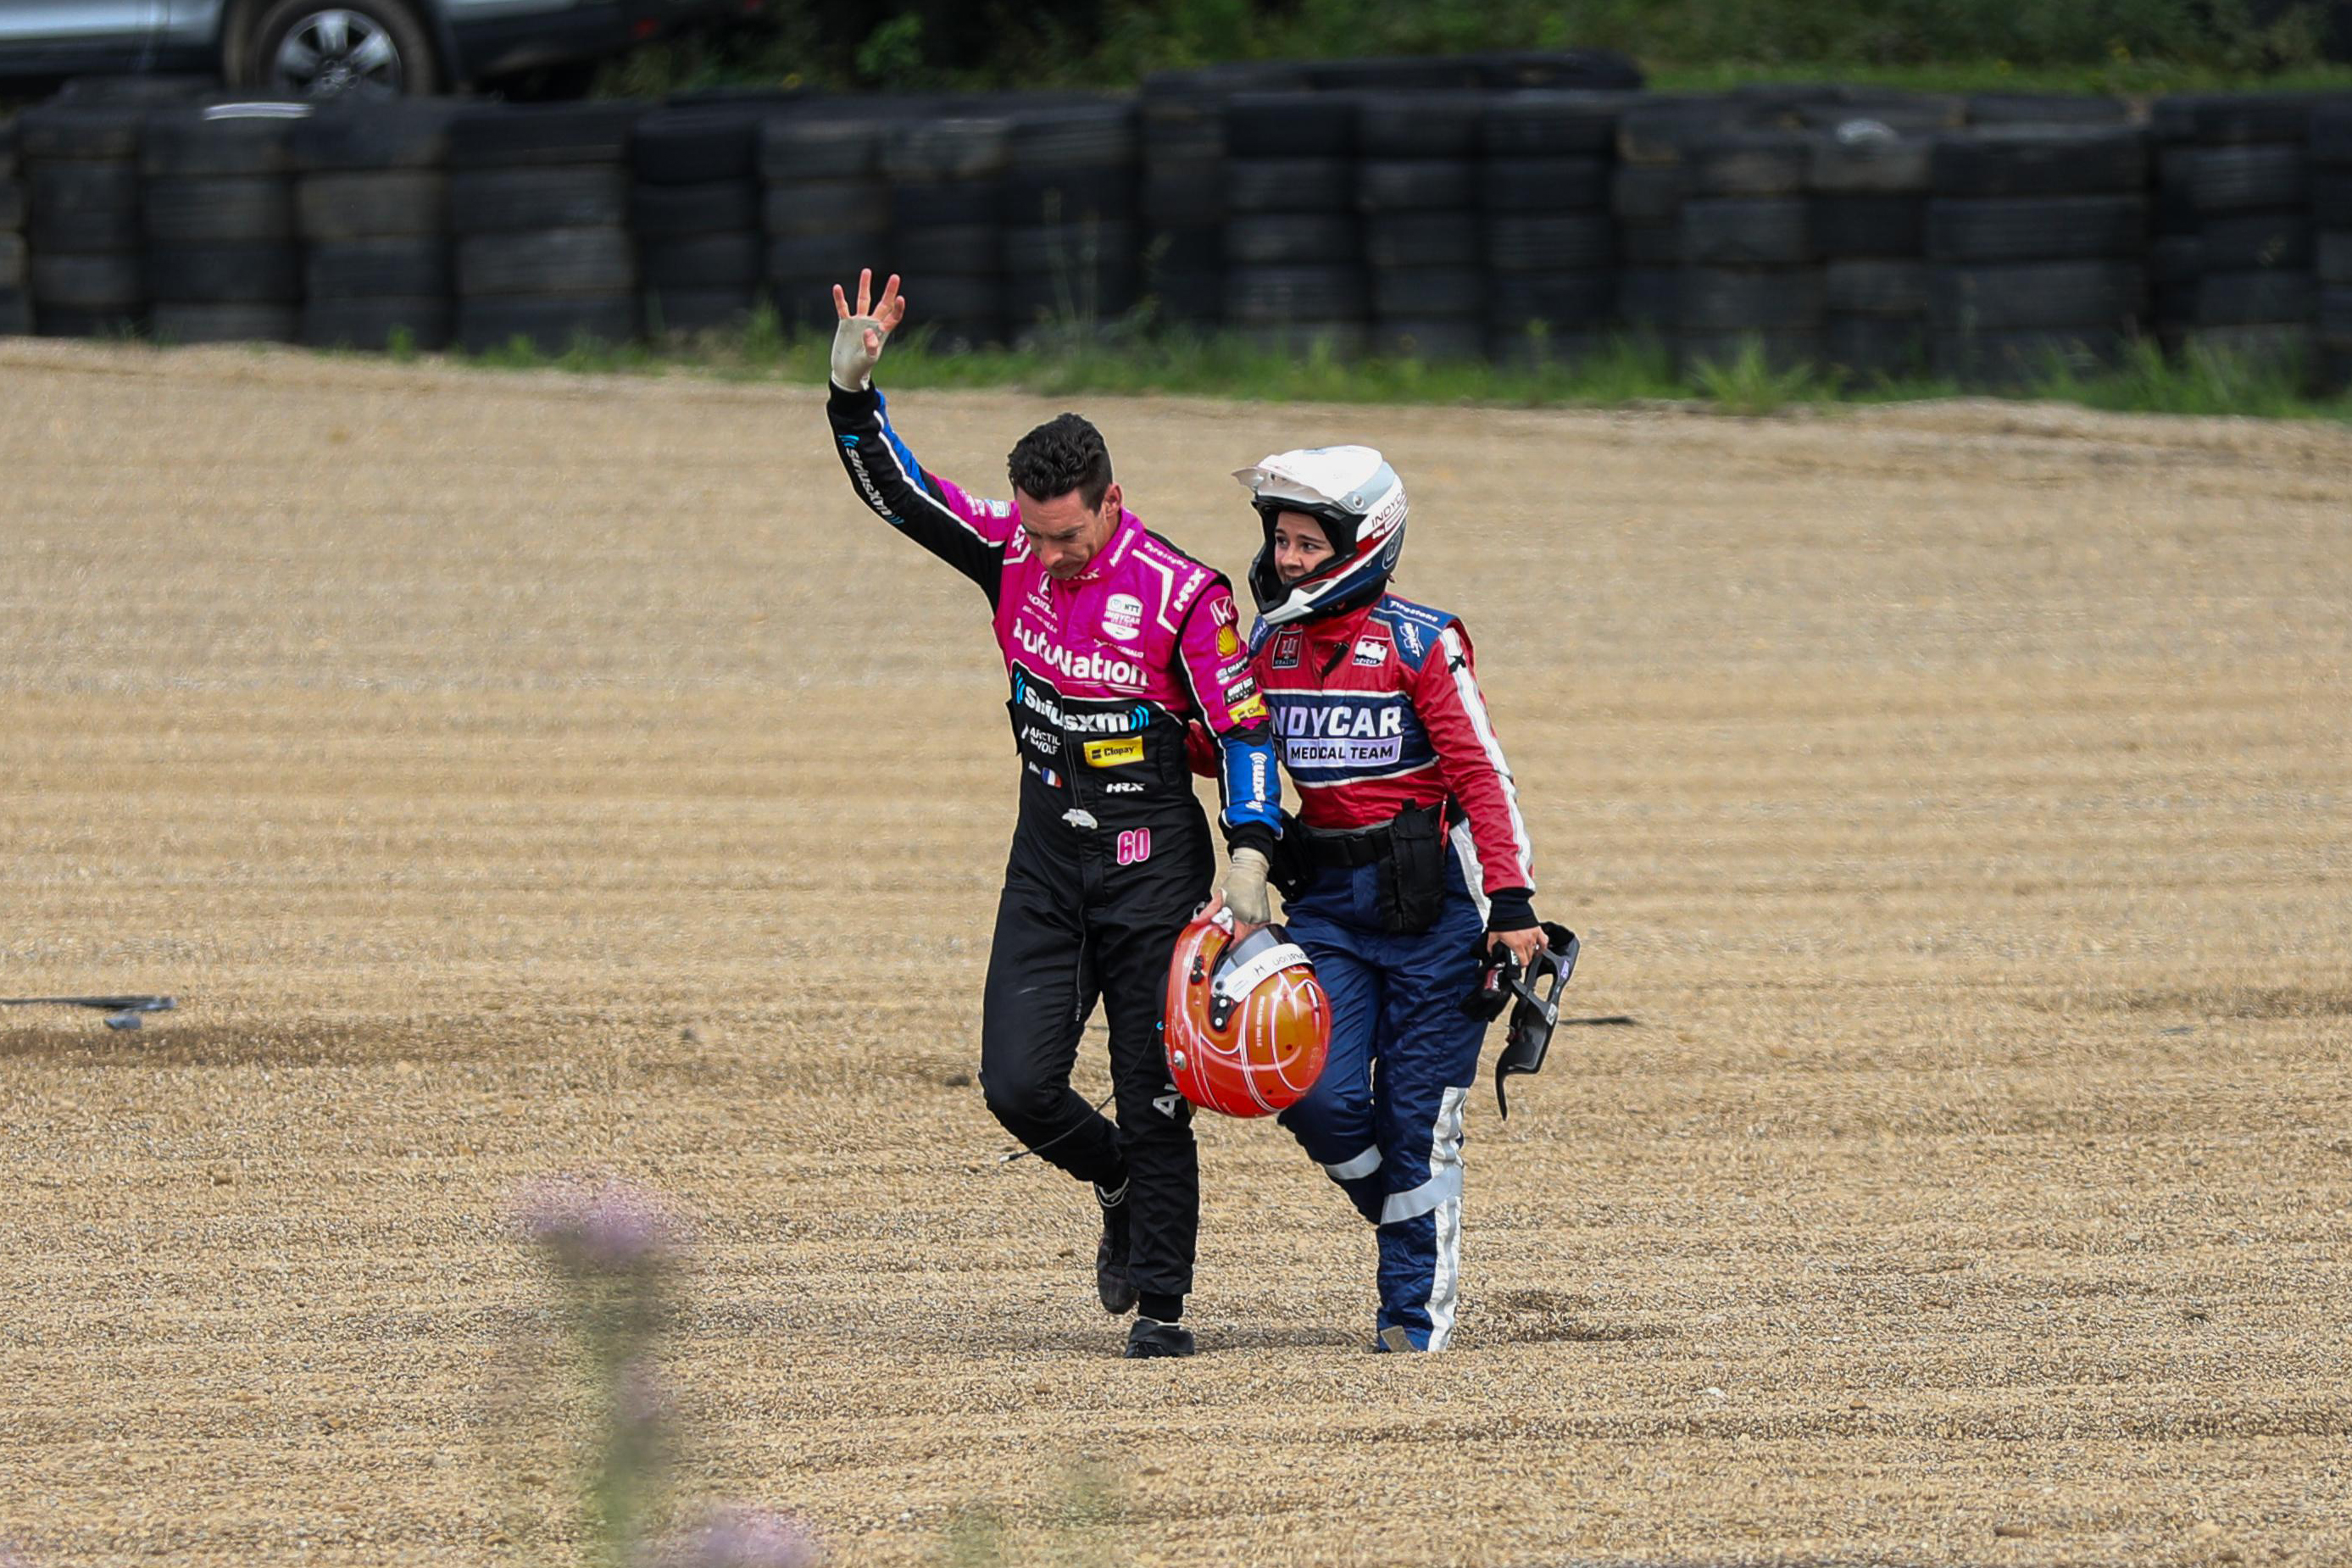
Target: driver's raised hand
<point x="857" y="341"/>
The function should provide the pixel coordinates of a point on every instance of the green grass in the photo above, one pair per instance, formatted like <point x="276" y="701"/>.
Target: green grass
<point x="2121" y="46"/>
<point x="1631" y="371"/>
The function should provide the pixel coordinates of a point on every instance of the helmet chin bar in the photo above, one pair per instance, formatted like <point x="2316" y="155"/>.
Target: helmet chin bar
<point x="1317" y="594"/>
<point x="1296" y="606"/>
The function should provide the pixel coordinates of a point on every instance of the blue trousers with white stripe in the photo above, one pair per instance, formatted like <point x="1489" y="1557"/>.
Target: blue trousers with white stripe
<point x="1385" y="1118"/>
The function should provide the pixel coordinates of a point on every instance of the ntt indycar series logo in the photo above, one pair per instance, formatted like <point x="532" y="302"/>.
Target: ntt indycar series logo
<point x="1096" y="666"/>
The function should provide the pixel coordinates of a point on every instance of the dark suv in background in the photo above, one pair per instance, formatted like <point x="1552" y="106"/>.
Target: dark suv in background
<point x="327" y="49"/>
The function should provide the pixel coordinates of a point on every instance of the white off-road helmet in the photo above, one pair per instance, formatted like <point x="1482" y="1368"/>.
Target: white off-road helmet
<point x="1360" y="501"/>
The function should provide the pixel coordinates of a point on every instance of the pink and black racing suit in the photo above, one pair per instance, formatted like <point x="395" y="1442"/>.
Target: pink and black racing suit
<point x="1111" y="853"/>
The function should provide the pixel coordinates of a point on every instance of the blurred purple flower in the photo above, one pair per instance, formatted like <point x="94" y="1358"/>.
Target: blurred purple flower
<point x="639" y="1396"/>
<point x="602" y="1224"/>
<point x="8" y="1558"/>
<point x="742" y="1538"/>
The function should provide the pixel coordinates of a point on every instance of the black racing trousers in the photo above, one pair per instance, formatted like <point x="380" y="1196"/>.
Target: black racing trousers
<point x="1088" y="913"/>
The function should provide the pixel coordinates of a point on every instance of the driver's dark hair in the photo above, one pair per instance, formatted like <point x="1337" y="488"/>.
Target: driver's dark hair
<point x="1064" y="454"/>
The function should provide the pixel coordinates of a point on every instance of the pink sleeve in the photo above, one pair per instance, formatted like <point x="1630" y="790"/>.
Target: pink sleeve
<point x="1217" y="664"/>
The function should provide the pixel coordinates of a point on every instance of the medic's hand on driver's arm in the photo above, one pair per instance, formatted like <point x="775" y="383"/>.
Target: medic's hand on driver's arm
<point x="857" y="341"/>
<point x="1244" y="894"/>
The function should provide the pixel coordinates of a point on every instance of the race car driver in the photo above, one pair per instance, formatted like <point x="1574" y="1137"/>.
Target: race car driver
<point x="1115" y="642"/>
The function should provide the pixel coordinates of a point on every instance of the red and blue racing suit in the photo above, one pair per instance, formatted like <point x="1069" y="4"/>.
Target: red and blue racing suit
<point x="1111" y="855"/>
<point x="1376" y="708"/>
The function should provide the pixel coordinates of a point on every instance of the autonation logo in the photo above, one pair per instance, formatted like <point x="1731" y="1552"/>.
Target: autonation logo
<point x="1094" y="667"/>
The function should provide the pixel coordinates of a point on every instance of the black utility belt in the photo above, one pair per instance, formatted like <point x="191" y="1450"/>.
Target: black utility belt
<point x="1346" y="849"/>
<point x="1409" y="850"/>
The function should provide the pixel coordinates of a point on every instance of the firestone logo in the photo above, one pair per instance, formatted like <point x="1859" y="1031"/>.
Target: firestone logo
<point x="1095" y="666"/>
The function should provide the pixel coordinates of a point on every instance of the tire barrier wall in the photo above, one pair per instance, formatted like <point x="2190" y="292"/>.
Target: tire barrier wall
<point x="2232" y="263"/>
<point x="84" y="270"/>
<point x="371" y="204"/>
<point x="1520" y="209"/>
<point x="224" y="263"/>
<point x="694" y="207"/>
<point x="2331" y="216"/>
<point x="15" y="307"/>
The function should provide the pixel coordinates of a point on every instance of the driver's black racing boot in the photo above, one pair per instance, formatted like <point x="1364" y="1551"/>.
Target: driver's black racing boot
<point x="1111" y="1283"/>
<point x="1150" y="1337"/>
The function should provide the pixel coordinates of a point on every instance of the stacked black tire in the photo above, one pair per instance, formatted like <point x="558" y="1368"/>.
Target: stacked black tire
<point x="2036" y="240"/>
<point x="539" y="200"/>
<point x="1418" y="198"/>
<point x="2250" y="184"/>
<point x="16" y="305"/>
<point x="1296" y="277"/>
<point x="2032" y="110"/>
<point x="1870" y="216"/>
<point x="223" y="262"/>
<point x="87" y="270"/>
<point x="2331" y="218"/>
<point x="371" y="204"/>
<point x="1182" y="152"/>
<point x="1072" y="236"/>
<point x="695" y="210"/>
<point x="947" y="223"/>
<point x="1647" y="188"/>
<point x="1751" y="274"/>
<point x="2176" y="257"/>
<point x="825" y="212"/>
<point x="1552" y="283"/>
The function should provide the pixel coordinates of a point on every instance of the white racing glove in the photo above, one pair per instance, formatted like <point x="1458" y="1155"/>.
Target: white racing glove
<point x="852" y="362"/>
<point x="1246" y="888"/>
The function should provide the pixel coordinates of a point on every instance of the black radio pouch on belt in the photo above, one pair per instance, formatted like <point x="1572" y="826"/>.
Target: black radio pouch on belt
<point x="1291" y="867"/>
<point x="1412" y="872"/>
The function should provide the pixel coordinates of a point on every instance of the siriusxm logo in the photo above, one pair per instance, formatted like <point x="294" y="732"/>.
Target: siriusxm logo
<point x="1080" y="720"/>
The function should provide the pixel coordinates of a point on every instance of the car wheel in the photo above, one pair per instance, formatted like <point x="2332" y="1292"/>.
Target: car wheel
<point x="340" y="48"/>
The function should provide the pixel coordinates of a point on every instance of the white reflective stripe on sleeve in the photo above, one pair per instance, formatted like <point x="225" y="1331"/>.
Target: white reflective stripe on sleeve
<point x="1363" y="1164"/>
<point x="1466" y="687"/>
<point x="1466" y="849"/>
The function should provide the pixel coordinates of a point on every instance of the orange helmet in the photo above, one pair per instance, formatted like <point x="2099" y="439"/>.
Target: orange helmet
<point x="1247" y="1023"/>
